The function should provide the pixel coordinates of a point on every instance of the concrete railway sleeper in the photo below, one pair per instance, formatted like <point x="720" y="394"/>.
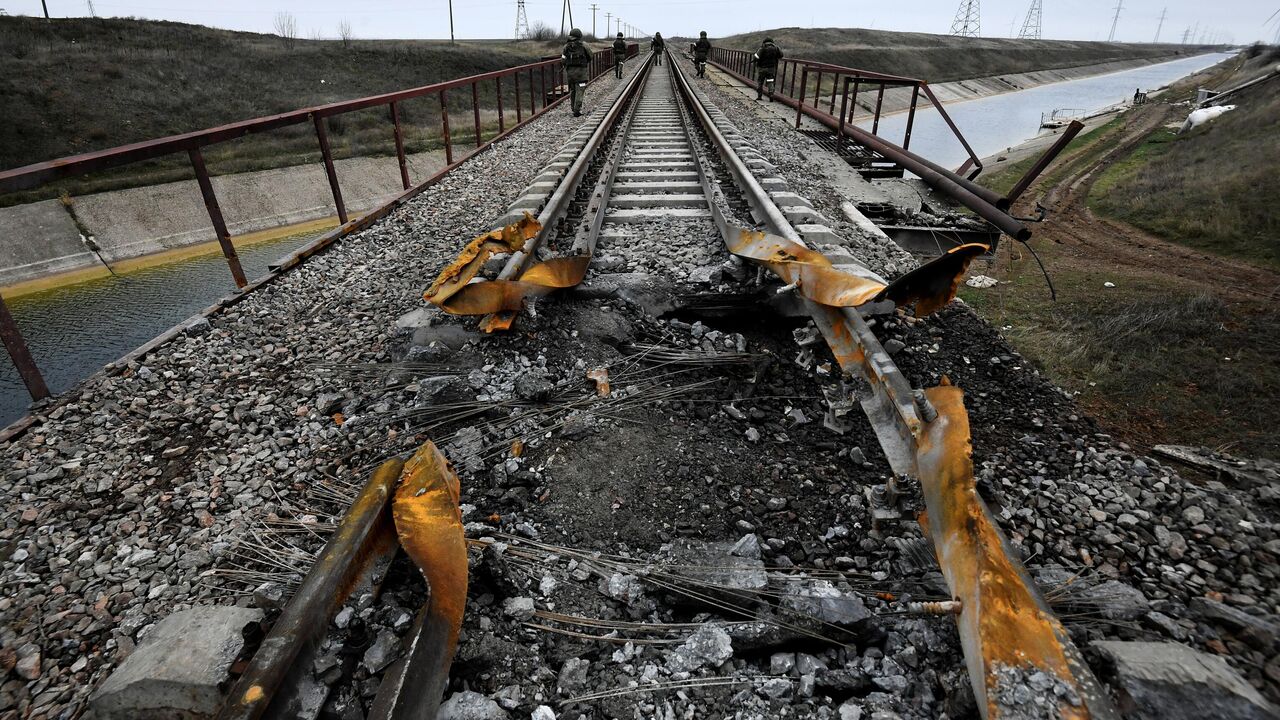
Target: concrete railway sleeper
<point x="663" y="160"/>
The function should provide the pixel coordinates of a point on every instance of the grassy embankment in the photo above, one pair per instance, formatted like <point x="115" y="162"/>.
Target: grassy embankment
<point x="942" y="58"/>
<point x="78" y="85"/>
<point x="1178" y="351"/>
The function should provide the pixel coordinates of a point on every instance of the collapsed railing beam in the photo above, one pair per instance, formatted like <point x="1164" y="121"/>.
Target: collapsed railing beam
<point x="1034" y="171"/>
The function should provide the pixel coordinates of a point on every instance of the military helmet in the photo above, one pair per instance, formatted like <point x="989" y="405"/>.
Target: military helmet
<point x="575" y="33"/>
<point x="619" y="34"/>
<point x="768" y="40"/>
<point x="703" y="33"/>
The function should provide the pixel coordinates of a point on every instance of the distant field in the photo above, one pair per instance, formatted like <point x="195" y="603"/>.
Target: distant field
<point x="1210" y="188"/>
<point x="77" y="85"/>
<point x="940" y="58"/>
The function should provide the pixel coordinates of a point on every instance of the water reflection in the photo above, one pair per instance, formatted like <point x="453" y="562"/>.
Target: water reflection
<point x="73" y="331"/>
<point x="995" y="123"/>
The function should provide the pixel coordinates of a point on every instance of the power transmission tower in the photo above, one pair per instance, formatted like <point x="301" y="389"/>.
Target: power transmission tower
<point x="1161" y="25"/>
<point x="1114" y="20"/>
<point x="967" y="23"/>
<point x="522" y="21"/>
<point x="1031" y="26"/>
<point x="594" y="7"/>
<point x="45" y="5"/>
<point x="566" y="8"/>
<point x="92" y="13"/>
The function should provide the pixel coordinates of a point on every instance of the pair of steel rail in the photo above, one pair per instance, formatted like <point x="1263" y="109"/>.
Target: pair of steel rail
<point x="1008" y="633"/>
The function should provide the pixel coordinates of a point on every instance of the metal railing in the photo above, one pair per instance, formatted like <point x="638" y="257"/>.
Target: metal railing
<point x="798" y="78"/>
<point x="536" y="87"/>
<point x="983" y="201"/>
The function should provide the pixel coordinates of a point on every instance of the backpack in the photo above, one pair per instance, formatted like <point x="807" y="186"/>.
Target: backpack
<point x="769" y="55"/>
<point x="575" y="54"/>
<point x="619" y="47"/>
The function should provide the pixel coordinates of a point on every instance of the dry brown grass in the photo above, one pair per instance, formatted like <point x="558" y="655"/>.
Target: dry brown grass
<point x="939" y="58"/>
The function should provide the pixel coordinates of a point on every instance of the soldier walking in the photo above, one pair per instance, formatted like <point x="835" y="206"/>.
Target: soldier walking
<point x="619" y="54"/>
<point x="766" y="58"/>
<point x="657" y="45"/>
<point x="576" y="58"/>
<point x="701" y="50"/>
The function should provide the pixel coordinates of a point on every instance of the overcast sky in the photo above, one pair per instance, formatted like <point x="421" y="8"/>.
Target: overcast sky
<point x="1222" y="20"/>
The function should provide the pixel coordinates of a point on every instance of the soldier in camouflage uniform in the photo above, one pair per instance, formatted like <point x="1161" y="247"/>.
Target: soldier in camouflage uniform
<point x="619" y="54"/>
<point x="657" y="45"/>
<point x="766" y="58"/>
<point x="701" y="49"/>
<point x="576" y="58"/>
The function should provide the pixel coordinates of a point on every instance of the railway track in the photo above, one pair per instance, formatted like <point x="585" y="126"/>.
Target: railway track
<point x="663" y="177"/>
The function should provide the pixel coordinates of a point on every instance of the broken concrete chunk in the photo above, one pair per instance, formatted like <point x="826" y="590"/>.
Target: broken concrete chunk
<point x="520" y="608"/>
<point x="470" y="705"/>
<point x="709" y="646"/>
<point x="1257" y="631"/>
<point x="384" y="651"/>
<point x="748" y="546"/>
<point x="573" y="675"/>
<point x="176" y="670"/>
<point x="821" y="600"/>
<point x="1173" y="682"/>
<point x="714" y="568"/>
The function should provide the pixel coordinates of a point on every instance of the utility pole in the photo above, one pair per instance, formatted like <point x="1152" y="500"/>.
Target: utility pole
<point x="1161" y="25"/>
<point x="594" y="7"/>
<point x="608" y="22"/>
<point x="566" y="8"/>
<point x="451" y="40"/>
<point x="1114" y="20"/>
<point x="45" y="5"/>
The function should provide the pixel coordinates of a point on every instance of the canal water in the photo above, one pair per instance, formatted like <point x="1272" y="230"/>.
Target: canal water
<point x="1002" y="121"/>
<point x="73" y="331"/>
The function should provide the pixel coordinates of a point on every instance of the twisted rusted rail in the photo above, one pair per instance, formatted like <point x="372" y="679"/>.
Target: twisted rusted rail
<point x="1007" y="630"/>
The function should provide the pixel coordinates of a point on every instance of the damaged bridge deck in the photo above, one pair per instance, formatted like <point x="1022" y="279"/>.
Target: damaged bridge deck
<point x="664" y="442"/>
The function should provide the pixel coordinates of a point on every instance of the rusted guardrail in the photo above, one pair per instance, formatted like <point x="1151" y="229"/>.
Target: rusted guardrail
<point x="537" y="83"/>
<point x="794" y="82"/>
<point x="986" y="203"/>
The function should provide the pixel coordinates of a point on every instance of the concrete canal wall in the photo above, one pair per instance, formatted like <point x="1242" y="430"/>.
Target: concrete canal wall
<point x="46" y="238"/>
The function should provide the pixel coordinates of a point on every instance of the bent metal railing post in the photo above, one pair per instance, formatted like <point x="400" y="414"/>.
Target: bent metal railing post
<point x="40" y="174"/>
<point x="16" y="345"/>
<point x="794" y="72"/>
<point x="215" y="216"/>
<point x="322" y="134"/>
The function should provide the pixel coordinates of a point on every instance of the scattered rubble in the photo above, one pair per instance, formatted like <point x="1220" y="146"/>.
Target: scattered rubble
<point x="179" y="668"/>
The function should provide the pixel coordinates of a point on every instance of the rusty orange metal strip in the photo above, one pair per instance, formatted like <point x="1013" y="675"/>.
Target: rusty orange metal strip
<point x="1007" y="631"/>
<point x="1007" y="628"/>
<point x="929" y="287"/>
<point x="429" y="525"/>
